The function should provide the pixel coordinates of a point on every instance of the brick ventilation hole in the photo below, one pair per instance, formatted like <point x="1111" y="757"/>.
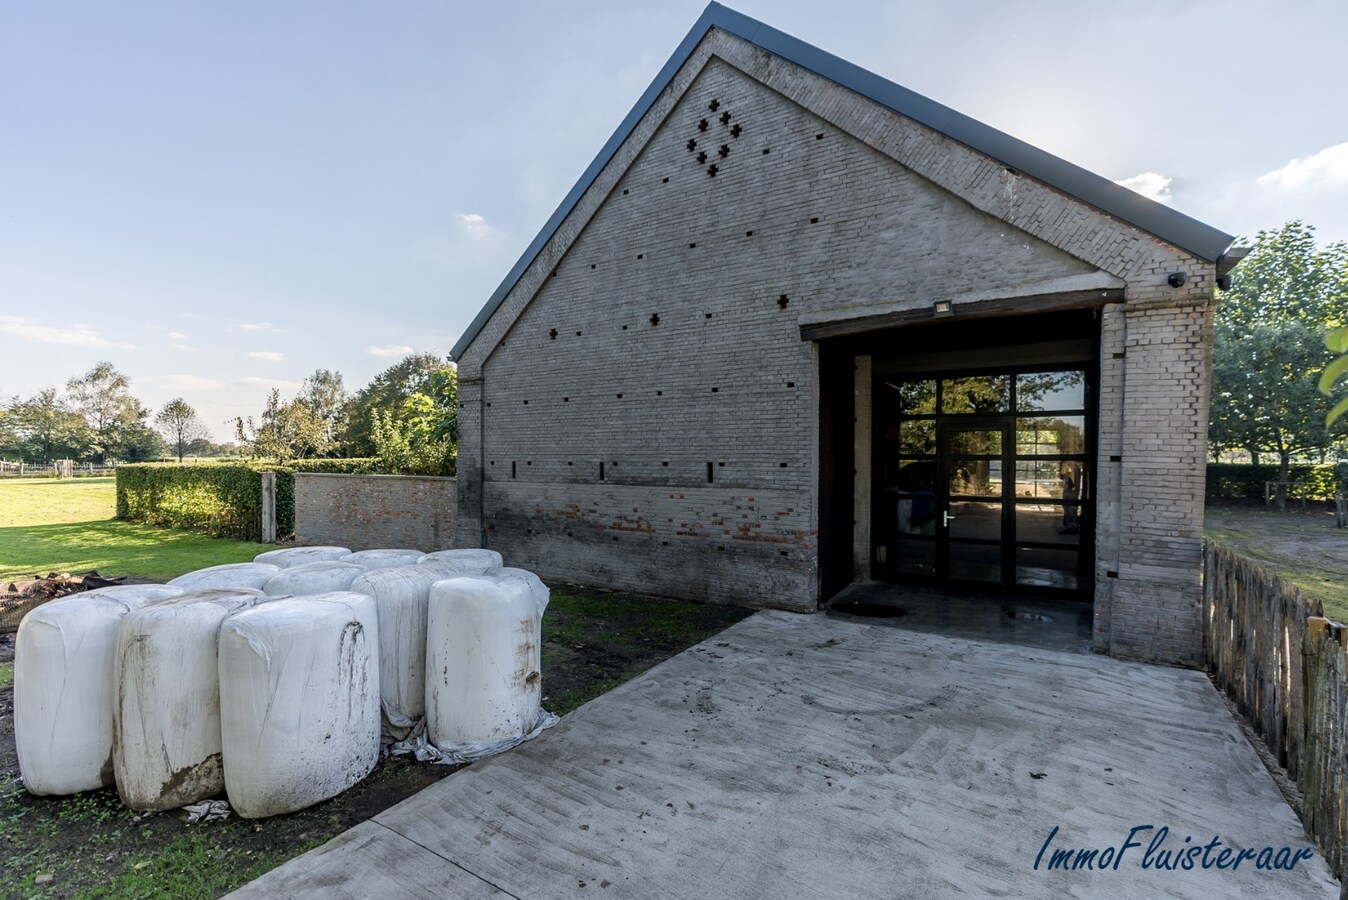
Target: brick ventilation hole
<point x="725" y="117"/>
<point x="814" y="221"/>
<point x="624" y="194"/>
<point x="665" y="181"/>
<point x="702" y="126"/>
<point x="818" y="137"/>
<point x="782" y="301"/>
<point x="706" y="315"/>
<point x="767" y="150"/>
<point x="552" y="335"/>
<point x="512" y="469"/>
<point x="711" y="473"/>
<point x="714" y="105"/>
<point x="601" y="477"/>
<point x="712" y="170"/>
<point x="749" y="233"/>
<point x="655" y="318"/>
<point x="716" y="390"/>
<point x="692" y="145"/>
<point x="735" y="130"/>
<point x="724" y="151"/>
<point x="701" y="158"/>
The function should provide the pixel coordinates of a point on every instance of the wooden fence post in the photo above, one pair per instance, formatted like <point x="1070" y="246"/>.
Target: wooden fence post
<point x="268" y="507"/>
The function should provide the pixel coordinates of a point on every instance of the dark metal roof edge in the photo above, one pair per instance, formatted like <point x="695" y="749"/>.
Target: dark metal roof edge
<point x="601" y="159"/>
<point x="1156" y="219"/>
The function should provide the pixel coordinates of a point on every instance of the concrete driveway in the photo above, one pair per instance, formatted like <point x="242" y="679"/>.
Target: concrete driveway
<point x="809" y="756"/>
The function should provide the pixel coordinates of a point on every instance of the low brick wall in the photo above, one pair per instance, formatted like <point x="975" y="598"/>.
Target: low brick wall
<point x="365" y="512"/>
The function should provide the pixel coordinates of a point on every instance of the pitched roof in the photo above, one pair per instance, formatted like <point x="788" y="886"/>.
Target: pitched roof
<point x="1156" y="219"/>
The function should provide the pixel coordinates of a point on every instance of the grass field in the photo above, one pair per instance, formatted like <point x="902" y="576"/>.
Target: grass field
<point x="49" y="525"/>
<point x="1302" y="547"/>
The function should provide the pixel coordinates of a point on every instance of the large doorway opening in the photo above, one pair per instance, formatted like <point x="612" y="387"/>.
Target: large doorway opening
<point x="984" y="476"/>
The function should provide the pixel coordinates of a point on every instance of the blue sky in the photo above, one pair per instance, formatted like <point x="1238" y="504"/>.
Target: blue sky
<point x="221" y="197"/>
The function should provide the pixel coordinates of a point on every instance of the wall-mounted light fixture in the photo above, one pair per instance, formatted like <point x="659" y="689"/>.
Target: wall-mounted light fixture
<point x="1177" y="279"/>
<point x="942" y="308"/>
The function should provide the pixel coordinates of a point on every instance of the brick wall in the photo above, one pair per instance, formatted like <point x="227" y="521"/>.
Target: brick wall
<point x="658" y="334"/>
<point x="366" y="512"/>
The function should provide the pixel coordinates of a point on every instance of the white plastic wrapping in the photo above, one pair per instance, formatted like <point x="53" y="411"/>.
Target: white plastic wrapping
<point x="312" y="578"/>
<point x="63" y="687"/>
<point x="537" y="588"/>
<point x="383" y="559"/>
<point x="483" y="684"/>
<point x="298" y="556"/>
<point x="400" y="594"/>
<point x="166" y="748"/>
<point x="299" y="701"/>
<point x="231" y="575"/>
<point x="468" y="559"/>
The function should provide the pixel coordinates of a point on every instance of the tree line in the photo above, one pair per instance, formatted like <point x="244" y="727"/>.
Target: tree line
<point x="405" y="417"/>
<point x="1275" y="337"/>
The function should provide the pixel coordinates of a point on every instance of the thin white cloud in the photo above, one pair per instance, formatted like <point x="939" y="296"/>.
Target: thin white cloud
<point x="269" y="355"/>
<point x="476" y="225"/>
<point x="177" y="336"/>
<point x="253" y="381"/>
<point x="1150" y="185"/>
<point x="187" y="348"/>
<point x="191" y="382"/>
<point x="77" y="335"/>
<point x="258" y="326"/>
<point x="1328" y="167"/>
<point x="390" y="351"/>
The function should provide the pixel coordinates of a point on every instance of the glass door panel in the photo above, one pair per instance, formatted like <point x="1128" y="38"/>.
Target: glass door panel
<point x="973" y="507"/>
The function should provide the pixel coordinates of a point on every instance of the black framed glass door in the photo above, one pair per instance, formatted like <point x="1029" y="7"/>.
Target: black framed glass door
<point x="985" y="478"/>
<point x="974" y="500"/>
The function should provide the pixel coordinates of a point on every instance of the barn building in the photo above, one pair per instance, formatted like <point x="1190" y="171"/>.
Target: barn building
<point x="797" y="327"/>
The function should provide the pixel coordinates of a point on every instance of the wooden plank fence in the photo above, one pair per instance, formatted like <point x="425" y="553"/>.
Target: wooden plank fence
<point x="1285" y="666"/>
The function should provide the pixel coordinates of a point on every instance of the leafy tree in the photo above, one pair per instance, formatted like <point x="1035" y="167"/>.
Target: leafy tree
<point x="103" y="396"/>
<point x="422" y="436"/>
<point x="1266" y="347"/>
<point x="329" y="399"/>
<point x="44" y="427"/>
<point x="1337" y="342"/>
<point x="180" y="425"/>
<point x="285" y="431"/>
<point x="386" y="392"/>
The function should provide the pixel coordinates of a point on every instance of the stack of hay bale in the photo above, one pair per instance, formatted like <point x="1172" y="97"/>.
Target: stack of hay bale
<point x="276" y="680"/>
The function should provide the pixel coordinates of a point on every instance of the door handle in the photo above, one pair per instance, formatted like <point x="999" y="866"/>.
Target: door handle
<point x="947" y="518"/>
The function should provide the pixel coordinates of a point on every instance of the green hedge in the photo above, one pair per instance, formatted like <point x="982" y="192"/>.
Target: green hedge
<point x="1242" y="481"/>
<point x="223" y="499"/>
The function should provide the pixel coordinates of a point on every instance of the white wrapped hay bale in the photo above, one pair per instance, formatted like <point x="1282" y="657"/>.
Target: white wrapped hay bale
<point x="483" y="684"/>
<point x="383" y="559"/>
<point x="298" y="556"/>
<point x="166" y="751"/>
<point x="299" y="701"/>
<point x="312" y="578"/>
<point x="468" y="560"/>
<point x="400" y="594"/>
<point x="537" y="589"/>
<point x="230" y="575"/>
<point x="64" y="659"/>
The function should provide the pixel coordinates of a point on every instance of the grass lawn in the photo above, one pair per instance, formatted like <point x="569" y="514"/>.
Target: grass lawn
<point x="50" y="525"/>
<point x="1302" y="547"/>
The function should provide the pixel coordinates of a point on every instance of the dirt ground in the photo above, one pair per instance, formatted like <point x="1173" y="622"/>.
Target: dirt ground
<point x="1301" y="545"/>
<point x="90" y="845"/>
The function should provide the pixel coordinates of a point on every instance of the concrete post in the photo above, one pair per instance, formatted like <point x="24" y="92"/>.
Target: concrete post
<point x="268" y="507"/>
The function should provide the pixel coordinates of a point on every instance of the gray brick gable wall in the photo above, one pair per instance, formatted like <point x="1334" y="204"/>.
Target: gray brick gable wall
<point x="658" y="334"/>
